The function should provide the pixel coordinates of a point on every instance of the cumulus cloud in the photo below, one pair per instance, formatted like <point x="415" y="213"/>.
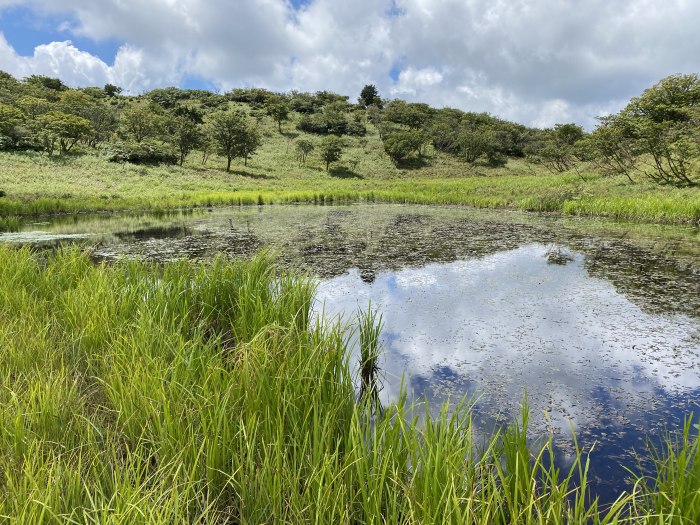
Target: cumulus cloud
<point x="534" y="61"/>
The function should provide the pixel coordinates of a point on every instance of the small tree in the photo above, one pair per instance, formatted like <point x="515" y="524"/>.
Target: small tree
<point x="331" y="150"/>
<point x="279" y="111"/>
<point x="184" y="134"/>
<point x="249" y="141"/>
<point x="369" y="96"/>
<point x="399" y="145"/>
<point x="304" y="148"/>
<point x="10" y="118"/>
<point x="111" y="90"/>
<point x="233" y="136"/>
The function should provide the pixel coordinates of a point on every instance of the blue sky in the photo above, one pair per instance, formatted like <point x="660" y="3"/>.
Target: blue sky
<point x="533" y="61"/>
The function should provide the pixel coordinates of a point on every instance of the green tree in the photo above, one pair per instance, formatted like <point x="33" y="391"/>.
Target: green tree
<point x="34" y="106"/>
<point x="557" y="147"/>
<point x="111" y="90"/>
<point x="303" y="148"/>
<point x="68" y="129"/>
<point x="184" y="134"/>
<point x="141" y="122"/>
<point x="399" y="145"/>
<point x="10" y="119"/>
<point x="369" y="96"/>
<point x="279" y="111"/>
<point x="233" y="135"/>
<point x="331" y="150"/>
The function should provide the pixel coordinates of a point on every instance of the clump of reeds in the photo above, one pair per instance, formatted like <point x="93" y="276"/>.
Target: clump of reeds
<point x="370" y="328"/>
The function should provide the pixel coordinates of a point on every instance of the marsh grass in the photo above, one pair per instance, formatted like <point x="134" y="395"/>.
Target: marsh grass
<point x="370" y="327"/>
<point x="138" y="393"/>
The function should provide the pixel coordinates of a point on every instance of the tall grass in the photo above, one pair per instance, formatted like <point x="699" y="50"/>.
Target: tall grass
<point x="139" y="393"/>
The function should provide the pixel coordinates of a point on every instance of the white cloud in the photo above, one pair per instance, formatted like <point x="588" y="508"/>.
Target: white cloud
<point x="411" y="80"/>
<point x="535" y="61"/>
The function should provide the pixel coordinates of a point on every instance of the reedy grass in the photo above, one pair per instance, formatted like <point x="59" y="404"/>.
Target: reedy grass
<point x="202" y="393"/>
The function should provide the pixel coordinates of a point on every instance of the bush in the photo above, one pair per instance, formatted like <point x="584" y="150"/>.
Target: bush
<point x="496" y="159"/>
<point x="146" y="152"/>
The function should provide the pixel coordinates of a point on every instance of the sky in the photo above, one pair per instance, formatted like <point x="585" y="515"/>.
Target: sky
<point x="538" y="62"/>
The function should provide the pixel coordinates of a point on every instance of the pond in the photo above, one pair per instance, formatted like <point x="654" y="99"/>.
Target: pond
<point x="596" y="322"/>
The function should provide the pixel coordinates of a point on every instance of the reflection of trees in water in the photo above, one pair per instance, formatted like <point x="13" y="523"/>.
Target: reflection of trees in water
<point x="652" y="281"/>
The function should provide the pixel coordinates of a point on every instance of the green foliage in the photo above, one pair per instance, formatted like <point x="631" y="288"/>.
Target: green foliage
<point x="330" y="150"/>
<point x="111" y="90"/>
<point x="399" y="145"/>
<point x="183" y="133"/>
<point x="369" y="96"/>
<point x="65" y="128"/>
<point x="42" y="81"/>
<point x="145" y="152"/>
<point x="140" y="122"/>
<point x="233" y="135"/>
<point x="413" y="115"/>
<point x="279" y="111"/>
<point x="656" y="134"/>
<point x="10" y="120"/>
<point x="303" y="149"/>
<point x="557" y="148"/>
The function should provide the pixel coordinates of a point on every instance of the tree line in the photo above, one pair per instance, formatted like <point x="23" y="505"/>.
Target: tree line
<point x="656" y="136"/>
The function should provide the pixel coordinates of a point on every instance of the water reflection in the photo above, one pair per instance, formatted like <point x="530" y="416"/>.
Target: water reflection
<point x="512" y="322"/>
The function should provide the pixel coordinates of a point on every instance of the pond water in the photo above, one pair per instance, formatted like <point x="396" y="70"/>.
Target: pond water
<point x="597" y="322"/>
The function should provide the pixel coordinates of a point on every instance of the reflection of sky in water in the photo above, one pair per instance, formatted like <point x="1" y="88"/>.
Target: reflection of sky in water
<point x="510" y="322"/>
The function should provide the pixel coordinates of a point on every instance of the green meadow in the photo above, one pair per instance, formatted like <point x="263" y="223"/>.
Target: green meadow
<point x="36" y="185"/>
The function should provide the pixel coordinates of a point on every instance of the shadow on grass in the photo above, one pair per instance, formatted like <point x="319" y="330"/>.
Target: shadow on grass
<point x="341" y="172"/>
<point x="413" y="163"/>
<point x="251" y="175"/>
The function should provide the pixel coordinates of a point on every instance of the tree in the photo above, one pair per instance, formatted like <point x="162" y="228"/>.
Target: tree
<point x="475" y="142"/>
<point x="414" y="115"/>
<point x="10" y="118"/>
<point x="233" y="136"/>
<point x="68" y="129"/>
<point x="400" y="144"/>
<point x="140" y="122"/>
<point x="34" y="106"/>
<point x="656" y="134"/>
<point x="184" y="134"/>
<point x="369" y="96"/>
<point x="111" y="90"/>
<point x="249" y="141"/>
<point x="304" y="148"/>
<point x="331" y="150"/>
<point x="556" y="148"/>
<point x="279" y="111"/>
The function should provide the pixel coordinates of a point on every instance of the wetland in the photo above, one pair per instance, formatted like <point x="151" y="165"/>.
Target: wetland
<point x="596" y="322"/>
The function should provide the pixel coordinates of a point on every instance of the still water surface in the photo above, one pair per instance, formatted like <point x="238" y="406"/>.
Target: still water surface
<point x="597" y="322"/>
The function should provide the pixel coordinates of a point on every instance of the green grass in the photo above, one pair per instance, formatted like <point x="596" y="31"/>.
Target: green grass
<point x="182" y="393"/>
<point x="36" y="184"/>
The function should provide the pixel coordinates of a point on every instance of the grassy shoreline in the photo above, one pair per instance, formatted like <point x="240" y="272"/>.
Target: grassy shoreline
<point x="183" y="393"/>
<point x="36" y="185"/>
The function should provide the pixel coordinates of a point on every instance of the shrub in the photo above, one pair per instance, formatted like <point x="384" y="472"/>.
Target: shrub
<point x="146" y="152"/>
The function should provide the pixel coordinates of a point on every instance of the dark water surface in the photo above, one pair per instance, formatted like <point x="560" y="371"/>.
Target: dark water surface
<point x="598" y="321"/>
